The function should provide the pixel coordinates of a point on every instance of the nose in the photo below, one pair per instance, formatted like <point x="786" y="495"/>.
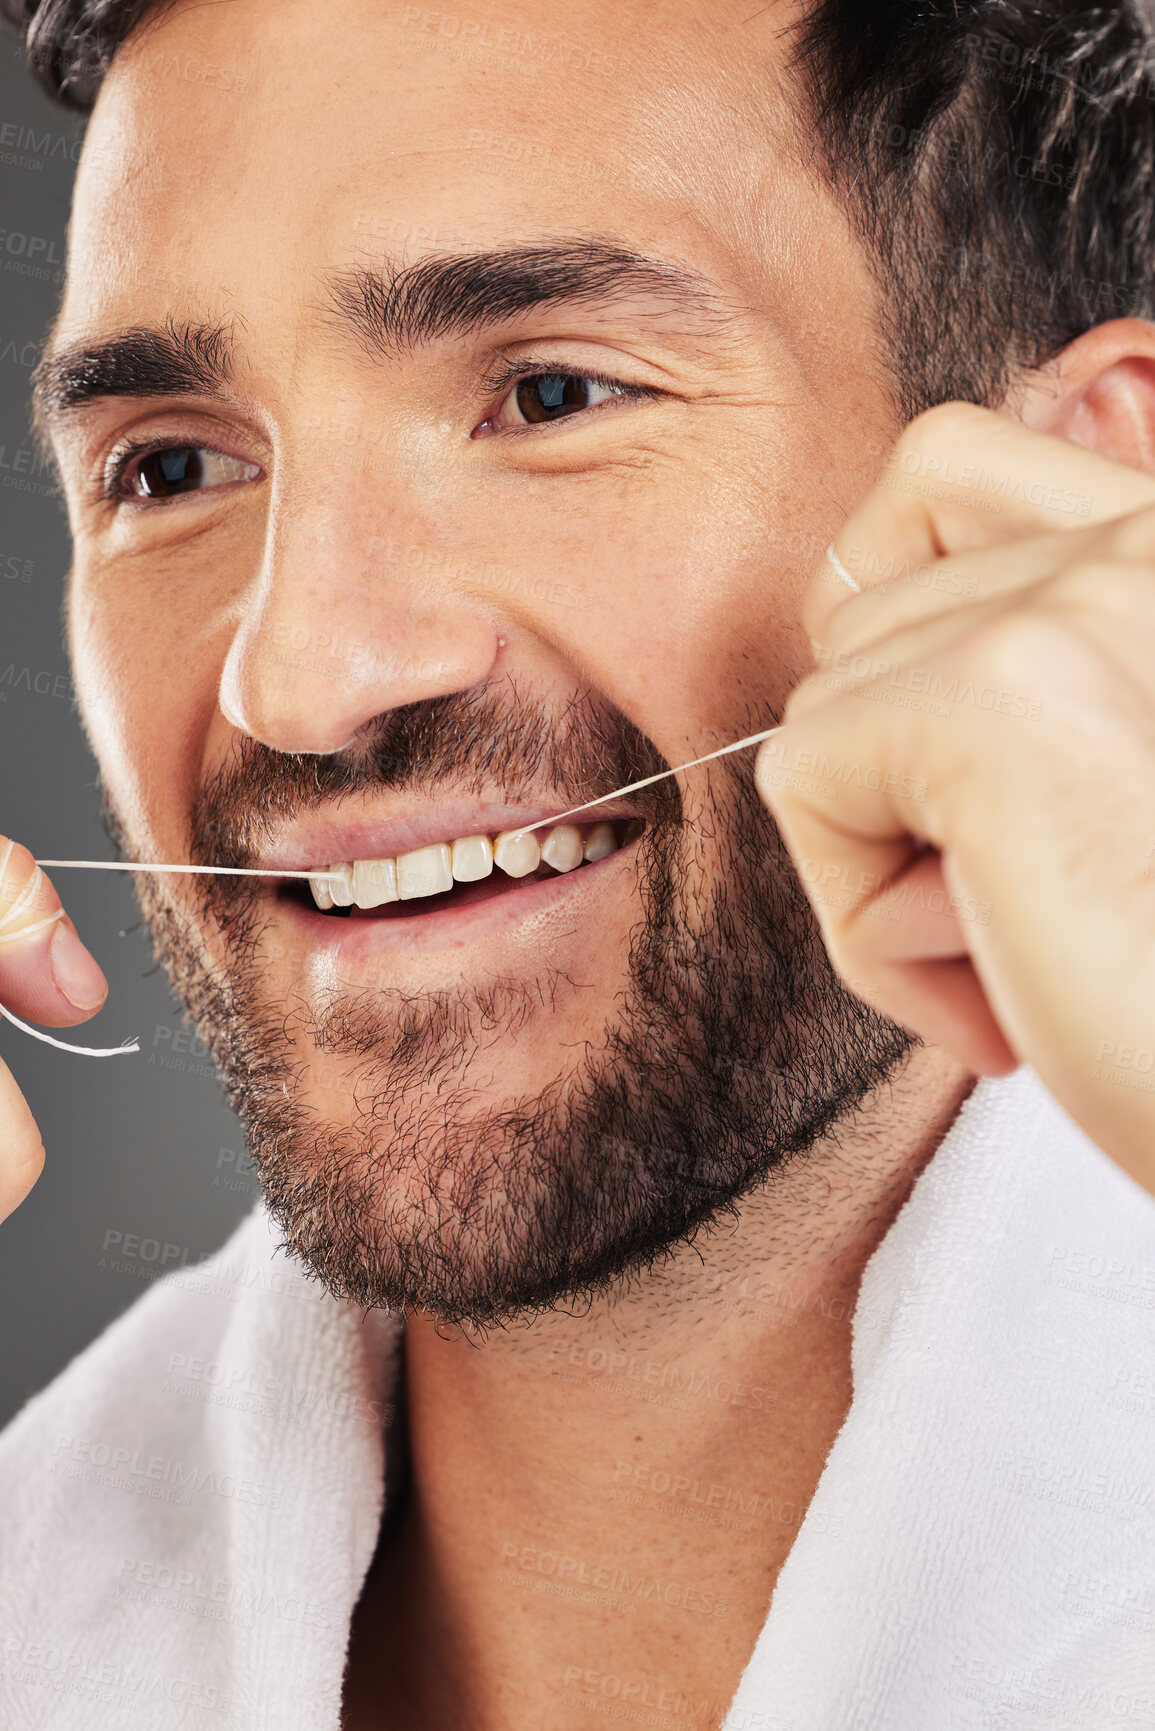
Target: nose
<point x="351" y="614"/>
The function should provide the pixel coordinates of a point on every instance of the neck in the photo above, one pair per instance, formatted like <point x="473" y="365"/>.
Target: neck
<point x="611" y="1492"/>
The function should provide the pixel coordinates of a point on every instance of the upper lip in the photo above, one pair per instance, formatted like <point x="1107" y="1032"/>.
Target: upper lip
<point x="318" y="841"/>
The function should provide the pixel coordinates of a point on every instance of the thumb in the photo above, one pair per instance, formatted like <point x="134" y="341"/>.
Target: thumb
<point x="46" y="973"/>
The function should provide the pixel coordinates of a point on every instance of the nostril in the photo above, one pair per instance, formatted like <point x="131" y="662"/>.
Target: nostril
<point x="288" y="739"/>
<point x="293" y="730"/>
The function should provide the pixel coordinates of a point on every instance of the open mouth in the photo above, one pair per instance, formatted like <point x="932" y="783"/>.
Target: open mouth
<point x="454" y="874"/>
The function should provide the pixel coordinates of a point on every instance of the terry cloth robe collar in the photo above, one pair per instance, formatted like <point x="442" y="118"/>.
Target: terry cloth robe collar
<point x="188" y="1512"/>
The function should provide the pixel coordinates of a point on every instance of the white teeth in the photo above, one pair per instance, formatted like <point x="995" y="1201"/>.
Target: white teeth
<point x="424" y="872"/>
<point x="562" y="847"/>
<point x="374" y="882"/>
<point x="341" y="885"/>
<point x="430" y="871"/>
<point x="600" y="841"/>
<point x="516" y="852"/>
<point x="322" y="895"/>
<point x="471" y="858"/>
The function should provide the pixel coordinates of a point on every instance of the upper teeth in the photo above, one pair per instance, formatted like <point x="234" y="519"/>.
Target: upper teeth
<point x="429" y="871"/>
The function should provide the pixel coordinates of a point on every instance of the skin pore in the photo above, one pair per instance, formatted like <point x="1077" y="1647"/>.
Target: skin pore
<point x="372" y="537"/>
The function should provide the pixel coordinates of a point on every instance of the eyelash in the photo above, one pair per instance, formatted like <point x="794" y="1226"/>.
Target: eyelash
<point x="514" y="372"/>
<point x="116" y="467"/>
<point x="540" y="367"/>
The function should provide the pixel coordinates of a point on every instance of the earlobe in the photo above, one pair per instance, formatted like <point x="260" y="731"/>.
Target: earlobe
<point x="1100" y="393"/>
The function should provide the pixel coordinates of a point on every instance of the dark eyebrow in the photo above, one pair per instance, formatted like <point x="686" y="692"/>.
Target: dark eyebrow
<point x="390" y="309"/>
<point x="397" y="309"/>
<point x="178" y="360"/>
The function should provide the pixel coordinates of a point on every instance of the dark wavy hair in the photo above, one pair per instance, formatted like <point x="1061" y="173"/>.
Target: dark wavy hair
<point x="997" y="158"/>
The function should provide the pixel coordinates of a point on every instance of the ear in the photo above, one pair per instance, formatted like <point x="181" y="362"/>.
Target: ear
<point x="1099" y="392"/>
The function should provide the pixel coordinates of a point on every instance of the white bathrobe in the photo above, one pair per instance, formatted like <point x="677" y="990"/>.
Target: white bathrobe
<point x="188" y="1512"/>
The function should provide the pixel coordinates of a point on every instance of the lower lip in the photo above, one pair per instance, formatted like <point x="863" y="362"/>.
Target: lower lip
<point x="516" y="910"/>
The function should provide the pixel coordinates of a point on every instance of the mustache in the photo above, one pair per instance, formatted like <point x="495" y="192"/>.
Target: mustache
<point x="474" y="742"/>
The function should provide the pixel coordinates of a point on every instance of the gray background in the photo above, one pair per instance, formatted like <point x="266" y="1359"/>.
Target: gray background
<point x="145" y="1168"/>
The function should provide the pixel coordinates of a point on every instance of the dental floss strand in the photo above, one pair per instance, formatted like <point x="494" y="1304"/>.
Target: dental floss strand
<point x="242" y="871"/>
<point x="635" y="786"/>
<point x="120" y="865"/>
<point x="738" y="745"/>
<point x="833" y="559"/>
<point x="66" y="1045"/>
<point x="108" y="865"/>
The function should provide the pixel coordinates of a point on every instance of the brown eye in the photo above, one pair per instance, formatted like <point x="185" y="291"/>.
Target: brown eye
<point x="549" y="396"/>
<point x="553" y="394"/>
<point x="180" y="469"/>
<point x="163" y="473"/>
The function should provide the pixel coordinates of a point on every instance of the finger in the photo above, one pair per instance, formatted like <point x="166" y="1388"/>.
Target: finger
<point x="908" y="941"/>
<point x="911" y="667"/>
<point x="886" y="912"/>
<point x="944" y="589"/>
<point x="894" y="925"/>
<point x="944" y="1003"/>
<point x="21" y="1150"/>
<point x="958" y="587"/>
<point x="961" y="478"/>
<point x="46" y="974"/>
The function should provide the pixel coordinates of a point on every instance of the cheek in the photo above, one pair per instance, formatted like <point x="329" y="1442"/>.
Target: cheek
<point x="141" y="684"/>
<point x="671" y="595"/>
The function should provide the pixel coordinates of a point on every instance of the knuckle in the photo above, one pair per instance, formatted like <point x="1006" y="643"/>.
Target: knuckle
<point x="1132" y="536"/>
<point x="21" y="1145"/>
<point x="1101" y="587"/>
<point x="20" y="1184"/>
<point x="843" y="952"/>
<point x="19" y="884"/>
<point x="806" y="697"/>
<point x="30" y="1163"/>
<point x="27" y="899"/>
<point x="1014" y="650"/>
<point x="16" y="864"/>
<point x="945" y="422"/>
<point x="847" y="625"/>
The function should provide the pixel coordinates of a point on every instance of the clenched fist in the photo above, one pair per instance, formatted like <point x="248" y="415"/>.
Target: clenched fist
<point x="966" y="781"/>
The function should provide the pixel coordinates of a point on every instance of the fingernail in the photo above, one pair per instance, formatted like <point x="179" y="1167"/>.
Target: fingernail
<point x="76" y="973"/>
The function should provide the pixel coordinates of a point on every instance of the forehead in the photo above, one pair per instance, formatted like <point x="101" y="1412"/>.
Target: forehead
<point x="239" y="150"/>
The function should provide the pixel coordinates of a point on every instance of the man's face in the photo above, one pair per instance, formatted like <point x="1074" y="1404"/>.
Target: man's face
<point x="415" y="554"/>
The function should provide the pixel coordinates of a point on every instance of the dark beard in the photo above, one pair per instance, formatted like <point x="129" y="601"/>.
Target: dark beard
<point x="735" y="1048"/>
